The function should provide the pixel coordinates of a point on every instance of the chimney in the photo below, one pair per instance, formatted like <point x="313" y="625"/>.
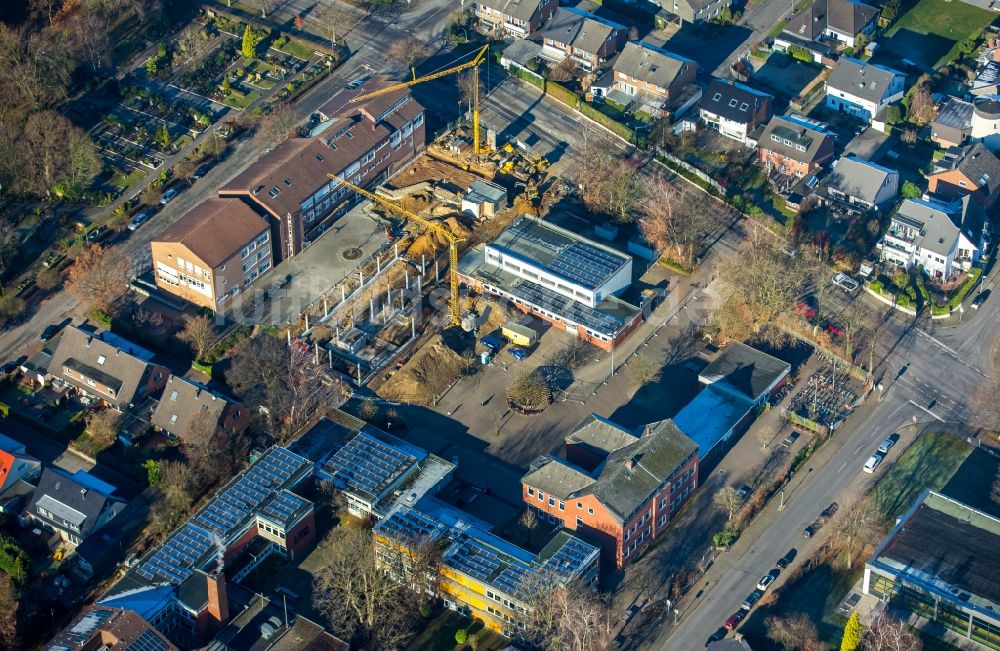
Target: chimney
<point x="218" y="600"/>
<point x="630" y="464"/>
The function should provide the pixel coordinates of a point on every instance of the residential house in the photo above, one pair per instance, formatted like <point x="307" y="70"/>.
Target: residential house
<point x="110" y="629"/>
<point x="972" y="170"/>
<point x="795" y="147"/>
<point x="652" y="75"/>
<point x="841" y="21"/>
<point x="939" y="561"/>
<point x="365" y="143"/>
<point x="695" y="11"/>
<point x="479" y="574"/>
<point x="953" y="123"/>
<point x="863" y="90"/>
<point x="942" y="238"/>
<point x="582" y="36"/>
<point x="734" y="109"/>
<point x="182" y="586"/>
<point x="106" y="368"/>
<point x="987" y="81"/>
<point x="212" y="253"/>
<point x="616" y="487"/>
<point x="516" y="18"/>
<point x="736" y="384"/>
<point x="860" y="183"/>
<point x="188" y="409"/>
<point x="570" y="281"/>
<point x="985" y="121"/>
<point x="18" y="472"/>
<point x="74" y="506"/>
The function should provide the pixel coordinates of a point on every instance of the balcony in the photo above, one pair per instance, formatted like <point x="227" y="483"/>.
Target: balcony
<point x="898" y="242"/>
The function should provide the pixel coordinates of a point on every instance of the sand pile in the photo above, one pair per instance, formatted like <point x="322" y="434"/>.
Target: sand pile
<point x="428" y="372"/>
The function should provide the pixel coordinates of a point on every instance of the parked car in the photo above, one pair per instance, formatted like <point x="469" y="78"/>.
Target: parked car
<point x="519" y="354"/>
<point x="805" y="309"/>
<point x="356" y="82"/>
<point x="789" y="556"/>
<point x="873" y="462"/>
<point x="202" y="170"/>
<point x="715" y="637"/>
<point x="751" y="599"/>
<point x="884" y="446"/>
<point x="979" y="300"/>
<point x="766" y="580"/>
<point x="8" y="367"/>
<point x="744" y="492"/>
<point x="168" y="196"/>
<point x="54" y="329"/>
<point x="138" y="221"/>
<point x="735" y="619"/>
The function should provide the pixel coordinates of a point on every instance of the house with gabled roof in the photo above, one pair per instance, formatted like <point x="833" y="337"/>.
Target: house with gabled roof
<point x="695" y="11"/>
<point x="792" y="146"/>
<point x="734" y="109"/>
<point x="860" y="183"/>
<point x="943" y="238"/>
<point x="75" y="506"/>
<point x="863" y="90"/>
<point x="106" y="368"/>
<point x="189" y="409"/>
<point x="973" y="170"/>
<point x="842" y="21"/>
<point x="516" y="18"/>
<point x="652" y="75"/>
<point x="615" y="487"/>
<point x="587" y="38"/>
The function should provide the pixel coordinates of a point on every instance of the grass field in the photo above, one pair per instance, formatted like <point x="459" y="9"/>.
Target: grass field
<point x="930" y="462"/>
<point x="930" y="32"/>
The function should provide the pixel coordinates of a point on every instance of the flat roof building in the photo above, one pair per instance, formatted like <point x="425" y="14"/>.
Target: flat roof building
<point x="566" y="279"/>
<point x="940" y="561"/>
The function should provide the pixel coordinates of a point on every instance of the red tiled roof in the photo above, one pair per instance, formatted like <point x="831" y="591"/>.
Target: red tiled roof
<point x="215" y="229"/>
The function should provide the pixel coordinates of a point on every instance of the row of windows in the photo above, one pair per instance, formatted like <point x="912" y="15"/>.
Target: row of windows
<point x="274" y="531"/>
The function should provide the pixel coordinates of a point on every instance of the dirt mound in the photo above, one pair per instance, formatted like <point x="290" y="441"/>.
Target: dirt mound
<point x="429" y="371"/>
<point x="431" y="241"/>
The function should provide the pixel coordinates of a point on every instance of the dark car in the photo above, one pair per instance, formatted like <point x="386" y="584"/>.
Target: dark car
<point x="54" y="329"/>
<point x="979" y="300"/>
<point x="751" y="599"/>
<point x="829" y="511"/>
<point x="716" y="636"/>
<point x="735" y="619"/>
<point x="202" y="170"/>
<point x="809" y="531"/>
<point x="8" y="367"/>
<point x="787" y="558"/>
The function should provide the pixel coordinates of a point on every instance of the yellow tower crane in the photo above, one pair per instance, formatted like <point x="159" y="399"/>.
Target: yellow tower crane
<point x="473" y="64"/>
<point x="456" y="315"/>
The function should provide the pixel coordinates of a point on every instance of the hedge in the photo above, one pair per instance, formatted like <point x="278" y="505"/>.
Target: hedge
<point x="960" y="295"/>
<point x="529" y="77"/>
<point x="13" y="560"/>
<point x="726" y="538"/>
<point x="618" y="128"/>
<point x="675" y="266"/>
<point x="563" y="94"/>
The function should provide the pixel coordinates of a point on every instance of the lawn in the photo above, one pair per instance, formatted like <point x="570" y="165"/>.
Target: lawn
<point x="930" y="462"/>
<point x="297" y="49"/>
<point x="930" y="32"/>
<point x="125" y="181"/>
<point x="439" y="634"/>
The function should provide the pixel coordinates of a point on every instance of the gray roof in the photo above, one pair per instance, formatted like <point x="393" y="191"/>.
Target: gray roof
<point x="812" y="141"/>
<point x="936" y="221"/>
<point x="748" y="370"/>
<point x="955" y="113"/>
<point x="75" y="499"/>
<point x="733" y="100"/>
<point x="948" y="548"/>
<point x="981" y="166"/>
<point x="844" y="16"/>
<point x="485" y="192"/>
<point x="859" y="178"/>
<point x="520" y="9"/>
<point x="522" y="51"/>
<point x="583" y="30"/>
<point x="184" y="403"/>
<point x="865" y="80"/>
<point x="600" y="434"/>
<point x="86" y="353"/>
<point x="651" y="64"/>
<point x="653" y="457"/>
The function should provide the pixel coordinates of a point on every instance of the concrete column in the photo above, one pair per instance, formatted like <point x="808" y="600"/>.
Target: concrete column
<point x="329" y="355"/>
<point x="326" y="307"/>
<point x="437" y="270"/>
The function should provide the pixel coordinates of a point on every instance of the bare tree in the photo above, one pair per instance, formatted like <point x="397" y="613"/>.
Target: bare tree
<point x="214" y="453"/>
<point x="764" y="436"/>
<point x="407" y="52"/>
<point x="728" y="501"/>
<point x="198" y="333"/>
<point x="368" y="409"/>
<point x="761" y="285"/>
<point x="9" y="241"/>
<point x="100" y="276"/>
<point x="921" y="103"/>
<point x="334" y="19"/>
<point x="528" y="520"/>
<point x="674" y="221"/>
<point x="362" y="600"/>
<point x="54" y="152"/>
<point x="612" y="186"/>
<point x="886" y="632"/>
<point x="643" y="370"/>
<point x="794" y="633"/>
<point x="861" y="526"/>
<point x="560" y="617"/>
<point x="528" y="390"/>
<point x="276" y="127"/>
<point x="467" y="82"/>
<point x="565" y="70"/>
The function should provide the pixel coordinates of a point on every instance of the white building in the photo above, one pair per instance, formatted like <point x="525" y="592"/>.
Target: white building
<point x="986" y="121"/>
<point x="935" y="235"/>
<point x="863" y="90"/>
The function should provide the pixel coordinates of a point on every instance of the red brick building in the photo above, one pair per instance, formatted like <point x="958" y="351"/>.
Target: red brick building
<point x="793" y="147"/>
<point x="615" y="487"/>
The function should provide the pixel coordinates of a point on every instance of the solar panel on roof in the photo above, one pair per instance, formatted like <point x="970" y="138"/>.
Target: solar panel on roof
<point x="408" y="524"/>
<point x="174" y="559"/>
<point x="585" y="264"/>
<point x="148" y="641"/>
<point x="368" y="465"/>
<point x="282" y="508"/>
<point x="571" y="310"/>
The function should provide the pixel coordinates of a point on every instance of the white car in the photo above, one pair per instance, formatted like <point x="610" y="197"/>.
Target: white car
<point x="884" y="446"/>
<point x="766" y="581"/>
<point x="873" y="463"/>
